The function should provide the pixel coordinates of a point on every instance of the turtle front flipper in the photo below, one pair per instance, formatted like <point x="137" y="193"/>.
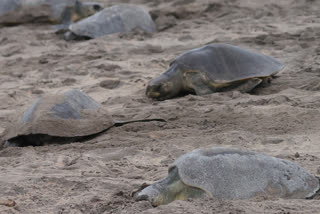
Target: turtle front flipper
<point x="61" y="28"/>
<point x="248" y="85"/>
<point x="168" y="190"/>
<point x="197" y="82"/>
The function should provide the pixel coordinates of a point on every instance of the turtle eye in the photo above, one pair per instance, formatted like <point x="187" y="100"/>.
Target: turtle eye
<point x="97" y="7"/>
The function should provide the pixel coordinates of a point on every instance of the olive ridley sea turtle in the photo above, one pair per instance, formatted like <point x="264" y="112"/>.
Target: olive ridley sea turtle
<point x="229" y="173"/>
<point x="60" y="12"/>
<point x="63" y="117"/>
<point x="120" y="18"/>
<point x="214" y="68"/>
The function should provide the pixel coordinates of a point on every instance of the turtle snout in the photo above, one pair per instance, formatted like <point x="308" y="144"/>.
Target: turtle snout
<point x="154" y="90"/>
<point x="159" y="89"/>
<point x="141" y="197"/>
<point x="151" y="194"/>
<point x="69" y="36"/>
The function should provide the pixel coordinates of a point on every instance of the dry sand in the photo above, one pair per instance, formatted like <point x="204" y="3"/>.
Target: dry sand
<point x="98" y="176"/>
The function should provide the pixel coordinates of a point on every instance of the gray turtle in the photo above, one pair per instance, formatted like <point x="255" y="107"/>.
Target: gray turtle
<point x="64" y="117"/>
<point x="213" y="68"/>
<point x="229" y="173"/>
<point x="63" y="12"/>
<point x="120" y="18"/>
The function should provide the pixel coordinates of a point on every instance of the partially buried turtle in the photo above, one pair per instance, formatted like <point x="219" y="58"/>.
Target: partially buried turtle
<point x="60" y="12"/>
<point x="120" y="18"/>
<point x="64" y="117"/>
<point x="214" y="68"/>
<point x="229" y="173"/>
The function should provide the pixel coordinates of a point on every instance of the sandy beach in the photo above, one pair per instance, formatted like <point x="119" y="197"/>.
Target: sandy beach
<point x="100" y="175"/>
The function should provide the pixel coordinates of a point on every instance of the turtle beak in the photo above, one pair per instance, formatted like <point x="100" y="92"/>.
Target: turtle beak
<point x="160" y="88"/>
<point x="142" y="197"/>
<point x="166" y="86"/>
<point x="153" y="91"/>
<point x="150" y="194"/>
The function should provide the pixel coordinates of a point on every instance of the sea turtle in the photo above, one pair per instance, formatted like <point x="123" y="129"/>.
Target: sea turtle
<point x="59" y="118"/>
<point x="120" y="18"/>
<point x="213" y="68"/>
<point x="63" y="12"/>
<point x="230" y="173"/>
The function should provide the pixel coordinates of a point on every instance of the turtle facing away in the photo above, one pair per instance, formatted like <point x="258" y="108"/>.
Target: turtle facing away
<point x="62" y="12"/>
<point x="213" y="68"/>
<point x="66" y="117"/>
<point x="229" y="173"/>
<point x="120" y="18"/>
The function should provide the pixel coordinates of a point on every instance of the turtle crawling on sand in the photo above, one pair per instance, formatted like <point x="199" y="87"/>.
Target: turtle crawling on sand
<point x="62" y="12"/>
<point x="229" y="173"/>
<point x="120" y="18"/>
<point x="214" y="68"/>
<point x="64" y="117"/>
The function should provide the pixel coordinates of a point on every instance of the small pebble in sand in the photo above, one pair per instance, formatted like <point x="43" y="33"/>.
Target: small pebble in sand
<point x="37" y="91"/>
<point x="69" y="81"/>
<point x="110" y="83"/>
<point x="296" y="155"/>
<point x="8" y="203"/>
<point x="64" y="161"/>
<point x="43" y="61"/>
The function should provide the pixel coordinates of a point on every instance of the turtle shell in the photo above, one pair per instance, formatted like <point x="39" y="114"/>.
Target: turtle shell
<point x="116" y="19"/>
<point x="23" y="11"/>
<point x="7" y="6"/>
<point x="223" y="63"/>
<point x="228" y="173"/>
<point x="69" y="114"/>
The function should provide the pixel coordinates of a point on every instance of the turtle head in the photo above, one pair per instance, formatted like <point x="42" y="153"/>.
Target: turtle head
<point x="86" y="9"/>
<point x="163" y="191"/>
<point x="151" y="194"/>
<point x="167" y="190"/>
<point x="166" y="86"/>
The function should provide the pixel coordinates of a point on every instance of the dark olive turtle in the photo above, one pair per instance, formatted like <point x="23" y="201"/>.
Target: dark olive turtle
<point x="229" y="173"/>
<point x="213" y="68"/>
<point x="64" y="117"/>
<point x="62" y="12"/>
<point x="120" y="18"/>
